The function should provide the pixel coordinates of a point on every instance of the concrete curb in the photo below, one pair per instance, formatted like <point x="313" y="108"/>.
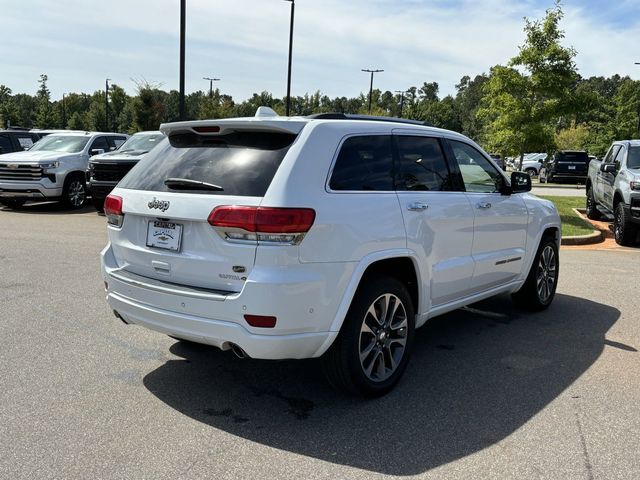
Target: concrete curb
<point x="596" y="237"/>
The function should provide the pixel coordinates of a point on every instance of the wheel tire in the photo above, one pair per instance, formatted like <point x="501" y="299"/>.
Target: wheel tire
<point x="98" y="203"/>
<point x="531" y="171"/>
<point x="380" y="343"/>
<point x="539" y="289"/>
<point x="12" y="203"/>
<point x="623" y="230"/>
<point x="592" y="210"/>
<point x="74" y="193"/>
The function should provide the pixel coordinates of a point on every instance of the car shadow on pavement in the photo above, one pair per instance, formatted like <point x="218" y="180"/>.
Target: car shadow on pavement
<point x="476" y="375"/>
<point x="48" y="208"/>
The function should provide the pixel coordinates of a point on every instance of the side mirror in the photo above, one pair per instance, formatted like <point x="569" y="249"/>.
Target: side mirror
<point x="520" y="183"/>
<point x="96" y="151"/>
<point x="608" y="168"/>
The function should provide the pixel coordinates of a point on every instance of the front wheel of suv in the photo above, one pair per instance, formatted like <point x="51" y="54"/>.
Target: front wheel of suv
<point x="375" y="342"/>
<point x="540" y="287"/>
<point x="74" y="192"/>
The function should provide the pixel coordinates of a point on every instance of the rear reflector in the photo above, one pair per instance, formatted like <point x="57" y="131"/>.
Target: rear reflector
<point x="260" y="321"/>
<point x="263" y="219"/>
<point x="113" y="210"/>
<point x="209" y="129"/>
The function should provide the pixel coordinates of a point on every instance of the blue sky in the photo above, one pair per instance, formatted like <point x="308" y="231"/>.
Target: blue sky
<point x="244" y="42"/>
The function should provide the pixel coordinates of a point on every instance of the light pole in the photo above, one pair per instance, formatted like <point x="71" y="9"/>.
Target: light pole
<point x="106" y="104"/>
<point x="211" y="80"/>
<point x="293" y="11"/>
<point x="183" y="23"/>
<point x="401" y="93"/>
<point x="372" y="72"/>
<point x="638" y="63"/>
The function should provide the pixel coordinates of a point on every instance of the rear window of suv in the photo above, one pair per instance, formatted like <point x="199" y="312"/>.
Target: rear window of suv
<point x="242" y="163"/>
<point x="572" y="157"/>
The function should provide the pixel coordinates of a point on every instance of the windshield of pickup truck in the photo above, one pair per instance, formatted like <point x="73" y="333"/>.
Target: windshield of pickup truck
<point x="61" y="143"/>
<point x="633" y="160"/>
<point x="141" y="142"/>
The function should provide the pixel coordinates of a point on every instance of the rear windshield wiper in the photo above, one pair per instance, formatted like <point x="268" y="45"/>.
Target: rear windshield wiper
<point x="186" y="184"/>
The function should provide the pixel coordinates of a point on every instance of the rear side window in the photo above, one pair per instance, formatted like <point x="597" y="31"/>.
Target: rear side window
<point x="364" y="164"/>
<point x="241" y="163"/>
<point x="422" y="166"/>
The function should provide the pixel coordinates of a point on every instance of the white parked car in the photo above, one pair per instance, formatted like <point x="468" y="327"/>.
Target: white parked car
<point x="53" y="168"/>
<point x="532" y="163"/>
<point x="326" y="236"/>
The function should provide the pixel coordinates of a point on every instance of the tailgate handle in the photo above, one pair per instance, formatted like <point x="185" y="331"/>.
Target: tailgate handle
<point x="161" y="267"/>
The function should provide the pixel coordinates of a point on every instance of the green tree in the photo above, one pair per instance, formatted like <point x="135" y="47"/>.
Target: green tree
<point x="524" y="101"/>
<point x="45" y="114"/>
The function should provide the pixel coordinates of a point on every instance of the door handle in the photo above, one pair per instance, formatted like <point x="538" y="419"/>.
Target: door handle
<point x="484" y="205"/>
<point x="417" y="206"/>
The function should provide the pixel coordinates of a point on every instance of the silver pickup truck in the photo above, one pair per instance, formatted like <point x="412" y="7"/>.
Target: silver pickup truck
<point x="613" y="186"/>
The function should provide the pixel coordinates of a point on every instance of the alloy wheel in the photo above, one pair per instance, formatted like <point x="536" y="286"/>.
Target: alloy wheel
<point x="547" y="273"/>
<point x="76" y="193"/>
<point x="383" y="337"/>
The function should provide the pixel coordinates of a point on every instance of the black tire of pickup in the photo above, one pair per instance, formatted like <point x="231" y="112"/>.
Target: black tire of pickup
<point x="624" y="231"/>
<point x="545" y="266"/>
<point x="98" y="203"/>
<point x="344" y="362"/>
<point x="592" y="210"/>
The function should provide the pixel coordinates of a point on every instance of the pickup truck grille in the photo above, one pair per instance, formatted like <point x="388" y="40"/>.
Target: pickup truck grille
<point x="15" y="172"/>
<point x="110" y="173"/>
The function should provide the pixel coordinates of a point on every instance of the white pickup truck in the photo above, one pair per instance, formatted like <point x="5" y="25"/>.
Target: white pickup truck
<point x="613" y="186"/>
<point x="53" y="168"/>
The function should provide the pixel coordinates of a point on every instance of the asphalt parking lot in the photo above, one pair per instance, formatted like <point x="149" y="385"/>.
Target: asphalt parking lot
<point x="491" y="392"/>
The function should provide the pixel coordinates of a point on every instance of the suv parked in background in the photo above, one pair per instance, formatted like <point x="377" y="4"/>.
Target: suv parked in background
<point x="53" y="169"/>
<point x="531" y="163"/>
<point x="613" y="186"/>
<point x="566" y="165"/>
<point x="15" y="140"/>
<point x="106" y="170"/>
<point x="328" y="236"/>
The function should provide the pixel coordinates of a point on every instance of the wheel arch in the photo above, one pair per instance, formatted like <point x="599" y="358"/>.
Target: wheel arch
<point x="400" y="264"/>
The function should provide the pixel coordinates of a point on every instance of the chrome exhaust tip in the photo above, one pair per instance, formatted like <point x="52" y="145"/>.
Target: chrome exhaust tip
<point x="239" y="352"/>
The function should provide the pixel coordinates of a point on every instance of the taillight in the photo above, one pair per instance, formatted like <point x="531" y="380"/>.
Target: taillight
<point x="113" y="210"/>
<point x="261" y="321"/>
<point x="263" y="224"/>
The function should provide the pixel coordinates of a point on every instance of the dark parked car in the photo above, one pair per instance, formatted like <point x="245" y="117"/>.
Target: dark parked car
<point x="16" y="140"/>
<point x="106" y="170"/>
<point x="499" y="160"/>
<point x="566" y="165"/>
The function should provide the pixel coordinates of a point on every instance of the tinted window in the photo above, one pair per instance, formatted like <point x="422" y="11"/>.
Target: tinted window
<point x="25" y="141"/>
<point x="100" y="143"/>
<point x="242" y="163"/>
<point x="618" y="158"/>
<point x="633" y="159"/>
<point x="611" y="153"/>
<point x="478" y="174"/>
<point x="573" y="157"/>
<point x="116" y="142"/>
<point x="5" y="144"/>
<point x="421" y="165"/>
<point x="364" y="163"/>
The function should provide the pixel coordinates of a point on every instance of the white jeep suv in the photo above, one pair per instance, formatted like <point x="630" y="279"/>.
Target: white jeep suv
<point x="327" y="236"/>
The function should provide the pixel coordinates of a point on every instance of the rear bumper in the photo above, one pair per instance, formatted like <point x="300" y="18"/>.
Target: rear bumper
<point x="100" y="189"/>
<point x="219" y="333"/>
<point x="305" y="303"/>
<point x="568" y="176"/>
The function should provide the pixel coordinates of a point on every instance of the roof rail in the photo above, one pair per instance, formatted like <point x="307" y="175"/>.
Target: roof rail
<point x="349" y="116"/>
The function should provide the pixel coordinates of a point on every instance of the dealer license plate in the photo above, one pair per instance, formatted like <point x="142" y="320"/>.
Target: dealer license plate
<point x="572" y="167"/>
<point x="166" y="235"/>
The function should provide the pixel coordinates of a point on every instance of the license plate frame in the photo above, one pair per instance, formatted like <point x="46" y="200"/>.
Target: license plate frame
<point x="164" y="235"/>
